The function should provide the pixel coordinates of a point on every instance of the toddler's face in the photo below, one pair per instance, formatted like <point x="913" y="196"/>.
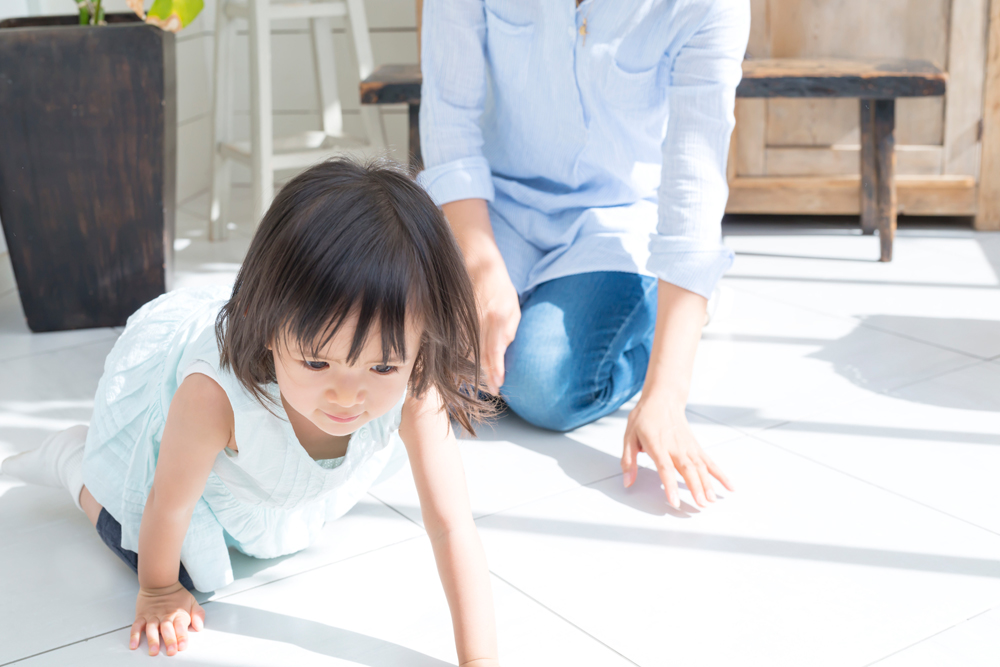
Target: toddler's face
<point x="337" y="397"/>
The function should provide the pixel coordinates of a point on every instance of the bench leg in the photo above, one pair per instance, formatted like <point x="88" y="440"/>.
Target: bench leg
<point x="885" y="163"/>
<point x="416" y="159"/>
<point x="869" y="195"/>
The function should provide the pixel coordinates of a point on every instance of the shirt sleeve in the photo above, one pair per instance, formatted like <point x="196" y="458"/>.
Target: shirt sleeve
<point x="454" y="64"/>
<point x="686" y="249"/>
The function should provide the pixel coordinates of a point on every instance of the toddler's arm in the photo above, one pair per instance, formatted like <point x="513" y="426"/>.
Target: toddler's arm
<point x="444" y="503"/>
<point x="199" y="425"/>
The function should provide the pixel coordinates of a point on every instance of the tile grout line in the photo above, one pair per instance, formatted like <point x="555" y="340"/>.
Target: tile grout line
<point x="224" y="597"/>
<point x="564" y="619"/>
<point x="397" y="511"/>
<point x="936" y="376"/>
<point x="852" y="318"/>
<point x="918" y="340"/>
<point x="115" y="334"/>
<point x="929" y="637"/>
<point x="779" y="423"/>
<point x="874" y="485"/>
<point x="56" y="648"/>
<point x="548" y="497"/>
<point x="311" y="569"/>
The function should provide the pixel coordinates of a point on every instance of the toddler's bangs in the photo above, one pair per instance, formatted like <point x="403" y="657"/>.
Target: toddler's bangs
<point x="375" y="299"/>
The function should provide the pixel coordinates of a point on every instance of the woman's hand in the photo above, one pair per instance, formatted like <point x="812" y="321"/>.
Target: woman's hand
<point x="168" y="613"/>
<point x="499" y="308"/>
<point x="664" y="434"/>
<point x="499" y="315"/>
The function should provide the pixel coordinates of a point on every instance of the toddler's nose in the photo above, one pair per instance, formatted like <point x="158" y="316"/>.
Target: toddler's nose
<point x="345" y="396"/>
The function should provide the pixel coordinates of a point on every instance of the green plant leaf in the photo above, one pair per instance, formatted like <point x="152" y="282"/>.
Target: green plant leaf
<point x="173" y="15"/>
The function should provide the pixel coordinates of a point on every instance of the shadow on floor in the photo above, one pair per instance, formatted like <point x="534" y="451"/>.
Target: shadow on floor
<point x="311" y="636"/>
<point x="587" y="465"/>
<point x="675" y="539"/>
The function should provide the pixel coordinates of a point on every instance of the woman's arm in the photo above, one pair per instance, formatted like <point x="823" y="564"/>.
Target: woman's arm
<point x="499" y="309"/>
<point x="686" y="252"/>
<point x="199" y="425"/>
<point x="657" y="425"/>
<point x="444" y="503"/>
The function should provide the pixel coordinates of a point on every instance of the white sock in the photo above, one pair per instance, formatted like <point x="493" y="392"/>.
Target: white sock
<point x="58" y="462"/>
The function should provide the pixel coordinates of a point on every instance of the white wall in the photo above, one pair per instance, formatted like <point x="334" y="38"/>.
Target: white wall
<point x="393" y="36"/>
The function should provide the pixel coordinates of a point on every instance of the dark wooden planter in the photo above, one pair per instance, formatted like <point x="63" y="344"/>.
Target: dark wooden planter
<point x="88" y="119"/>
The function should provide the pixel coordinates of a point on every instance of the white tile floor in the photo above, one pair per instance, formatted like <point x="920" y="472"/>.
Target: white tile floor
<point x="855" y="404"/>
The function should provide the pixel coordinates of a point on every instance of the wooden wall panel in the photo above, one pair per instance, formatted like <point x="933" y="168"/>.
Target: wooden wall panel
<point x="988" y="213"/>
<point x="826" y="28"/>
<point x="751" y="123"/>
<point x="845" y="159"/>
<point x="964" y="102"/>
<point x="839" y="195"/>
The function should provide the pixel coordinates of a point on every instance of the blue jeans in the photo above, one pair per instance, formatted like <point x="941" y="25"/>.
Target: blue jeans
<point x="581" y="349"/>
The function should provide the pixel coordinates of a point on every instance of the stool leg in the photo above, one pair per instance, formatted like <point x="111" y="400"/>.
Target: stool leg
<point x="371" y="118"/>
<point x="885" y="161"/>
<point x="261" y="119"/>
<point x="416" y="159"/>
<point x="222" y="111"/>
<point x="326" y="77"/>
<point x="869" y="182"/>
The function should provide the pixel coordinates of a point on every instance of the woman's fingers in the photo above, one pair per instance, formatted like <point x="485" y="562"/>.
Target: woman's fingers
<point x="717" y="473"/>
<point x="494" y="348"/>
<point x="630" y="454"/>
<point x="153" y="636"/>
<point x="689" y="471"/>
<point x="669" y="478"/>
<point x="136" y="634"/>
<point x="169" y="638"/>
<point x="706" y="482"/>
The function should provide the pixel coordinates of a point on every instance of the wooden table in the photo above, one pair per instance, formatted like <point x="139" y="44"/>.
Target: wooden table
<point x="877" y="84"/>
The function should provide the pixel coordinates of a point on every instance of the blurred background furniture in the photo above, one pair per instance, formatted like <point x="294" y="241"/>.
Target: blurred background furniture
<point x="398" y="84"/>
<point x="801" y="156"/>
<point x="877" y="83"/>
<point x="264" y="153"/>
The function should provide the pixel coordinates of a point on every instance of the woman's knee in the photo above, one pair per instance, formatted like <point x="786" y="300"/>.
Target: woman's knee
<point x="537" y="386"/>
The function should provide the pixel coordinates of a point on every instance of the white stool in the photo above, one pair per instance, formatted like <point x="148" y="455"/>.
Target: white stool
<point x="264" y="153"/>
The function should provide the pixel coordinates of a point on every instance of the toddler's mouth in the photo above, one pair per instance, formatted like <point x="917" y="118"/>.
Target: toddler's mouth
<point x="342" y="420"/>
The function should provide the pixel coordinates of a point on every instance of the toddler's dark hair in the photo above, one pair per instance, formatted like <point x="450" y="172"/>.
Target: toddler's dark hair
<point x="344" y="239"/>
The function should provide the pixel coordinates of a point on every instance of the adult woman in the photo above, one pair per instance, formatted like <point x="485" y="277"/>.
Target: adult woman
<point x="579" y="154"/>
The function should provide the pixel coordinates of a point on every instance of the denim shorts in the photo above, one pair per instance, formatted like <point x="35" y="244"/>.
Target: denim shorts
<point x="111" y="532"/>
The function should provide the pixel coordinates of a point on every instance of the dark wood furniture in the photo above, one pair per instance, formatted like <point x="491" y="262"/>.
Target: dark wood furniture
<point x="877" y="83"/>
<point x="88" y="122"/>
<point x="398" y="84"/>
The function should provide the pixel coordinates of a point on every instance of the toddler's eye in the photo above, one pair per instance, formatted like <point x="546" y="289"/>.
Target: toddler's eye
<point x="317" y="365"/>
<point x="382" y="369"/>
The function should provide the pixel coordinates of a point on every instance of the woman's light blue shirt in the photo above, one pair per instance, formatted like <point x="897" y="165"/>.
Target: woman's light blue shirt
<point x="604" y="153"/>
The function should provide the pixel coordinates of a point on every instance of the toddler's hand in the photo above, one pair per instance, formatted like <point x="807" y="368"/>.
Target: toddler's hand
<point x="166" y="612"/>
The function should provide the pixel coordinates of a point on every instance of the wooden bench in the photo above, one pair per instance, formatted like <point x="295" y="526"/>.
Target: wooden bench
<point x="876" y="83"/>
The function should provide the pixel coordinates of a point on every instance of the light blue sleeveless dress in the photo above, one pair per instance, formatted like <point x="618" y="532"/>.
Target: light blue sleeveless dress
<point x="269" y="499"/>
